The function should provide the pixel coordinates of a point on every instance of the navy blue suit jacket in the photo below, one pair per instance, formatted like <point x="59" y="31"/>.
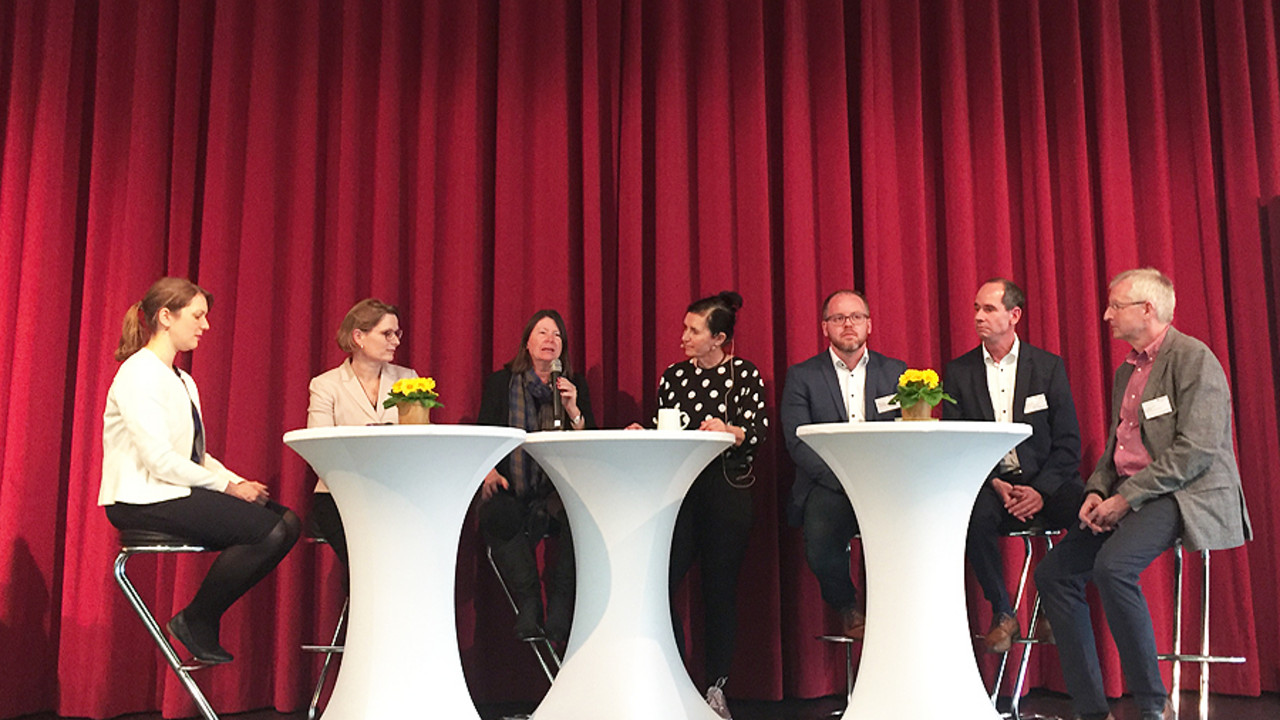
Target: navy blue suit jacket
<point x="1051" y="456"/>
<point x="812" y="395"/>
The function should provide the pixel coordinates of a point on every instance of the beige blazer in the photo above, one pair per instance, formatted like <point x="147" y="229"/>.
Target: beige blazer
<point x="338" y="399"/>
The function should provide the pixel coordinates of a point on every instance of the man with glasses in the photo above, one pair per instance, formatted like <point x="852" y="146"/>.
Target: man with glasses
<point x="1168" y="471"/>
<point x="1007" y="380"/>
<point x="847" y="382"/>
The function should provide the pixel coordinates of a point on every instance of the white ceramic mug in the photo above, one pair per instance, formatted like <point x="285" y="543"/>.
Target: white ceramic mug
<point x="672" y="419"/>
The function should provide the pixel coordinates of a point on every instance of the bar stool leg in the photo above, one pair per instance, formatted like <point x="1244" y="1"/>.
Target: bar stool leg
<point x="333" y="648"/>
<point x="1175" y="695"/>
<point x="1014" y="711"/>
<point x="1204" y="638"/>
<point x="1203" y="658"/>
<point x="166" y="648"/>
<point x="1017" y="604"/>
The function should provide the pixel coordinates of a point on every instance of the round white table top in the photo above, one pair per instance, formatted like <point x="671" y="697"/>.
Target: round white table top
<point x="359" y="431"/>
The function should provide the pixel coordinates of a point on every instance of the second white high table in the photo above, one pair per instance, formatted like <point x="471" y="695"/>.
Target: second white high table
<point x="403" y="491"/>
<point x="913" y="485"/>
<point x="622" y="490"/>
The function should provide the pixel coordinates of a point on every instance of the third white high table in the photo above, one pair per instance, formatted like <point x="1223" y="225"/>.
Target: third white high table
<point x="622" y="490"/>
<point x="913" y="485"/>
<point x="403" y="491"/>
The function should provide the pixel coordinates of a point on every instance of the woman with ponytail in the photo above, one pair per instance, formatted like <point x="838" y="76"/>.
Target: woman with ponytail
<point x="157" y="476"/>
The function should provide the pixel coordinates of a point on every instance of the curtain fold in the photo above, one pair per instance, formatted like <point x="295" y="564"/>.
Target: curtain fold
<point x="614" y="159"/>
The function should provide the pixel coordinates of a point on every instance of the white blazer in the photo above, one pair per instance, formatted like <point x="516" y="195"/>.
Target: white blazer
<point x="337" y="398"/>
<point x="147" y="433"/>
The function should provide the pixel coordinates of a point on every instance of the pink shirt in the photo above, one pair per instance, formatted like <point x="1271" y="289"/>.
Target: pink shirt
<point x="1131" y="455"/>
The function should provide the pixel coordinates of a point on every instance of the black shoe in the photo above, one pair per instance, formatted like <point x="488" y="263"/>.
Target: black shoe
<point x="529" y="619"/>
<point x="208" y="653"/>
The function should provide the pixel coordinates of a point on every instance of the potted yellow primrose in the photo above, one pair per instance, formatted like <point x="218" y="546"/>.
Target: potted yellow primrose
<point x="919" y="392"/>
<point x="414" y="398"/>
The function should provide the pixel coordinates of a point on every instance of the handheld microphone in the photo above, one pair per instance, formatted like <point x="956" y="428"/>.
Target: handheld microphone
<point x="557" y="403"/>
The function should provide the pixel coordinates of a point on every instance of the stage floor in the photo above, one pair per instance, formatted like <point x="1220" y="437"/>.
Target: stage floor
<point x="1222" y="707"/>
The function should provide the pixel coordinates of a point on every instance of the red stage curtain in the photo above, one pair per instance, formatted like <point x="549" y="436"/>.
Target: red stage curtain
<point x="473" y="162"/>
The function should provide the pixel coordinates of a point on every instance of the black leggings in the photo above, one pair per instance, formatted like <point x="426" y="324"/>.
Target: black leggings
<point x="253" y="539"/>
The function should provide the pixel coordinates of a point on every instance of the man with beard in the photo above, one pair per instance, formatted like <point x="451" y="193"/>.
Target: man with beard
<point x="847" y="382"/>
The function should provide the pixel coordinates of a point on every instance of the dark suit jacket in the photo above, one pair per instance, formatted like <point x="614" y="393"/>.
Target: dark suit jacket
<point x="1051" y="456"/>
<point x="812" y="395"/>
<point x="1192" y="455"/>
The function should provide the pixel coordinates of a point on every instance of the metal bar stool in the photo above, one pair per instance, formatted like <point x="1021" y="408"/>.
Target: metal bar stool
<point x="1177" y="657"/>
<point x="138" y="542"/>
<point x="547" y="656"/>
<point x="333" y="648"/>
<point x="847" y="642"/>
<point x="1027" y="533"/>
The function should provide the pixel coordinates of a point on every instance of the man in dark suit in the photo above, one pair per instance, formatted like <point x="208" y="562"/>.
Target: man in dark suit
<point x="847" y="382"/>
<point x="1006" y="380"/>
<point x="1169" y="470"/>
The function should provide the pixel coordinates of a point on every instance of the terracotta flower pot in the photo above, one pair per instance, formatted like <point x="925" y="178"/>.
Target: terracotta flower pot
<point x="920" y="411"/>
<point x="412" y="413"/>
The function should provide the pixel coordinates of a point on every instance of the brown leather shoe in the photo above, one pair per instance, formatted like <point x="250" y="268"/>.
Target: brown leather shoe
<point x="853" y="624"/>
<point x="1004" y="631"/>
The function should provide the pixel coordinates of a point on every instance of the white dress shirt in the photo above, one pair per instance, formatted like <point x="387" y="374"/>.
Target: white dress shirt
<point x="147" y="431"/>
<point x="853" y="385"/>
<point x="1001" y="377"/>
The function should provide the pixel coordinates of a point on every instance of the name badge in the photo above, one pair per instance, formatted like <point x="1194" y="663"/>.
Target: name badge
<point x="1035" y="403"/>
<point x="886" y="404"/>
<point x="1156" y="407"/>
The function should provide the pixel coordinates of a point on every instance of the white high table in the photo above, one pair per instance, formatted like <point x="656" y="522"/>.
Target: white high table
<point x="913" y="485"/>
<point x="622" y="490"/>
<point x="403" y="491"/>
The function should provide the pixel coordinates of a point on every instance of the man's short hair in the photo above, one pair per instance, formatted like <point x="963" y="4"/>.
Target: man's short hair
<point x="1150" y="285"/>
<point x="1013" y="295"/>
<point x="822" y="315"/>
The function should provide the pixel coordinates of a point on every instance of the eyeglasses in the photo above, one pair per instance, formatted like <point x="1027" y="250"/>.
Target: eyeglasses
<point x="388" y="334"/>
<point x="854" y="319"/>
<point x="1117" y="307"/>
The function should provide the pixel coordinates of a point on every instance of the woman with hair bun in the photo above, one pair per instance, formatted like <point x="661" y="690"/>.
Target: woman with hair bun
<point x="157" y="476"/>
<point x="719" y="392"/>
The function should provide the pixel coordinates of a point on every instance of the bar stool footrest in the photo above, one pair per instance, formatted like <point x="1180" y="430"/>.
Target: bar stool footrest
<point x="322" y="648"/>
<point x="1231" y="659"/>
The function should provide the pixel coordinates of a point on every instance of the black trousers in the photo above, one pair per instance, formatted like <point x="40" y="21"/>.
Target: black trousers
<point x="829" y="524"/>
<point x="990" y="520"/>
<point x="253" y="538"/>
<point x="713" y="527"/>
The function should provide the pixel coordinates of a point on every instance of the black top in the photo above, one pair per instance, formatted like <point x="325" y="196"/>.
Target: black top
<point x="735" y="397"/>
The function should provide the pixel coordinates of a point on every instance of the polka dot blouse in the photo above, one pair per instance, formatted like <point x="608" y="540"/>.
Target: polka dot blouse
<point x="732" y="391"/>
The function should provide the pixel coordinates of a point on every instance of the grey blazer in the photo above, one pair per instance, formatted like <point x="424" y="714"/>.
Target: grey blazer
<point x="1192" y="456"/>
